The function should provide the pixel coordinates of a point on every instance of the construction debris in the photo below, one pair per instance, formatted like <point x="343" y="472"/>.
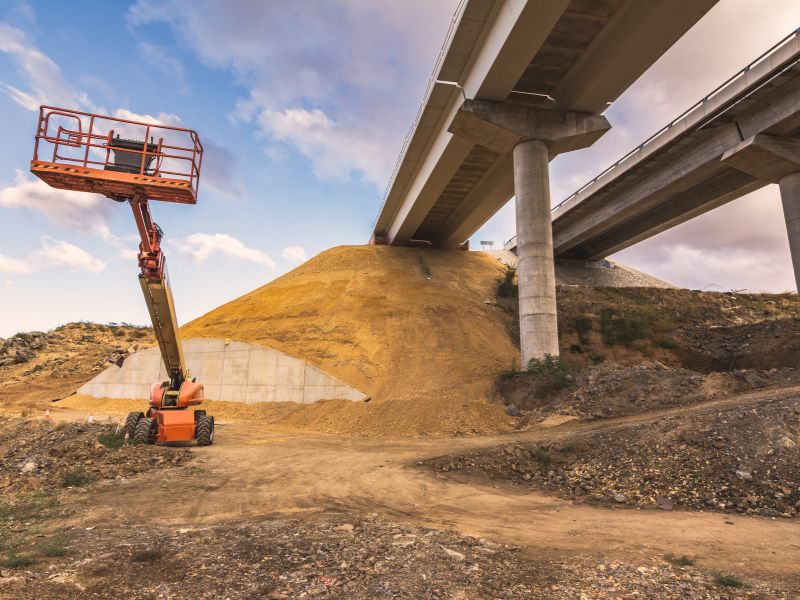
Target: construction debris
<point x="743" y="457"/>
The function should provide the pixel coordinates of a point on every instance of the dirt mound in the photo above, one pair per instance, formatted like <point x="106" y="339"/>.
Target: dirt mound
<point x="37" y="368"/>
<point x="40" y="454"/>
<point x="417" y="330"/>
<point x="742" y="458"/>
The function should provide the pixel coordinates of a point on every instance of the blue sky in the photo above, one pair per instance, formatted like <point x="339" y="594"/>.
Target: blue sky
<point x="302" y="107"/>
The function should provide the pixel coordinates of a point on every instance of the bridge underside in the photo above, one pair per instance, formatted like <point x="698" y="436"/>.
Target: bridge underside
<point x="579" y="25"/>
<point x="564" y="55"/>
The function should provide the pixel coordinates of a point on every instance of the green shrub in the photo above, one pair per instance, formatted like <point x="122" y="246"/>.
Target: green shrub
<point x="56" y="546"/>
<point x="509" y="374"/>
<point x="680" y="561"/>
<point x="507" y="286"/>
<point x="664" y="341"/>
<point x="623" y="329"/>
<point x="16" y="561"/>
<point x="582" y="326"/>
<point x="727" y="580"/>
<point x="110" y="439"/>
<point x="552" y="373"/>
<point x="76" y="477"/>
<point x="543" y="456"/>
<point x="579" y="446"/>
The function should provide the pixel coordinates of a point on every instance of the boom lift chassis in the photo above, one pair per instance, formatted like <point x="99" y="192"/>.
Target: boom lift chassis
<point x="88" y="156"/>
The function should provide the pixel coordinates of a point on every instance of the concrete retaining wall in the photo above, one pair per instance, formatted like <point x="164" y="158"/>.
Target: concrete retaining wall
<point x="232" y="371"/>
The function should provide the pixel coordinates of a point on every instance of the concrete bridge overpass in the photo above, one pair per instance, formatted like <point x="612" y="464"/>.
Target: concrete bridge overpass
<point x="742" y="136"/>
<point x="568" y="55"/>
<point x="518" y="82"/>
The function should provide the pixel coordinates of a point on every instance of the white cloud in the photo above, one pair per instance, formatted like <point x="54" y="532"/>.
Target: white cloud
<point x="337" y="151"/>
<point x="294" y="253"/>
<point x="126" y="253"/>
<point x="52" y="253"/>
<point x="718" y="269"/>
<point x="160" y="119"/>
<point x="45" y="81"/>
<point x="79" y="211"/>
<point x="9" y="285"/>
<point x="342" y="94"/>
<point x="201" y="246"/>
<point x="14" y="266"/>
<point x="58" y="253"/>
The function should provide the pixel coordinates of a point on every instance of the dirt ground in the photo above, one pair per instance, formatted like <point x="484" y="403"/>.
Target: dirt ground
<point x="271" y="514"/>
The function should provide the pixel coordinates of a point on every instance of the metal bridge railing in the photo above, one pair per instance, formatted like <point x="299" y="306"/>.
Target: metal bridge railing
<point x="682" y="116"/>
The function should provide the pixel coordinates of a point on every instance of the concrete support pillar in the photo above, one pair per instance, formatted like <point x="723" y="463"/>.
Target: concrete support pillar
<point x="538" y="326"/>
<point x="790" y="197"/>
<point x="533" y="136"/>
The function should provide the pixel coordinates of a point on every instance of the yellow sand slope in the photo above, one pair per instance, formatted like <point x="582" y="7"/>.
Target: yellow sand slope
<point x="409" y="327"/>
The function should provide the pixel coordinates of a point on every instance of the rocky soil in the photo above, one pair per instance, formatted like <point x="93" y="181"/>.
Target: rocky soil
<point x="612" y="390"/>
<point x="37" y="367"/>
<point x="742" y="458"/>
<point x="329" y="556"/>
<point x="767" y="344"/>
<point x="40" y="455"/>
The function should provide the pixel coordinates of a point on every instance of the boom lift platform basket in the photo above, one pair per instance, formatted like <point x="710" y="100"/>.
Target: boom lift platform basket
<point x="107" y="155"/>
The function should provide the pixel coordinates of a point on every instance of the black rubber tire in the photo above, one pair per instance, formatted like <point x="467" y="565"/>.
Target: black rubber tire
<point x="205" y="430"/>
<point x="198" y="414"/>
<point x="146" y="431"/>
<point x="130" y="424"/>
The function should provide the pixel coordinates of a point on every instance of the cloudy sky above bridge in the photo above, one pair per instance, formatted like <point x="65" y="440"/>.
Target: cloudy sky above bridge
<point x="303" y="107"/>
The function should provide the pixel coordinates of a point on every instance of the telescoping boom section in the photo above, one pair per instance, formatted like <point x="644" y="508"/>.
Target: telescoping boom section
<point x="135" y="162"/>
<point x="158" y="297"/>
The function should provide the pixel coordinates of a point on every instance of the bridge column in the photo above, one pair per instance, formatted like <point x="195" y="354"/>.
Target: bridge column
<point x="538" y="323"/>
<point x="790" y="197"/>
<point x="775" y="159"/>
<point x="533" y="135"/>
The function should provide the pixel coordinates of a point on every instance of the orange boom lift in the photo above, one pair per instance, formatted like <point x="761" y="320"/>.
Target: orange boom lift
<point x="112" y="156"/>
